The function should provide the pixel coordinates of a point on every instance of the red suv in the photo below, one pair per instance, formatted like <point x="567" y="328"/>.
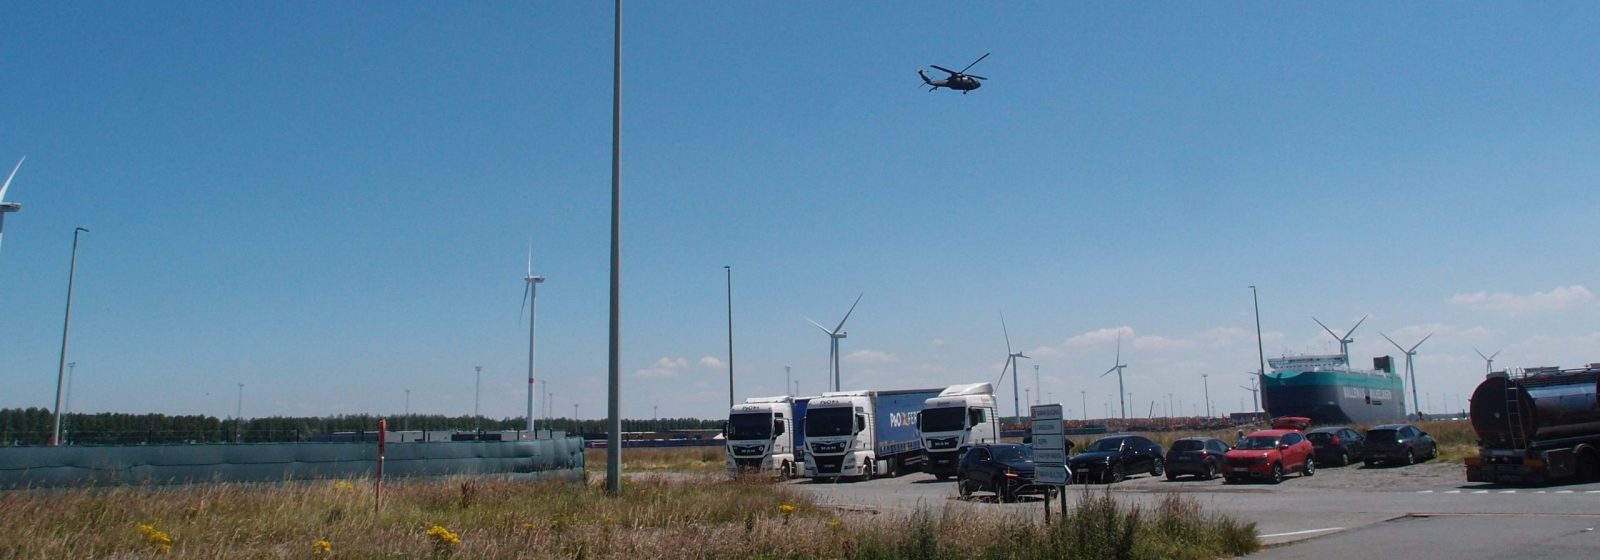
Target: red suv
<point x="1269" y="454"/>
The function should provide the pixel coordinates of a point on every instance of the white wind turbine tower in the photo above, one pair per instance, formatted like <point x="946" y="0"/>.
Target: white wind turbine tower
<point x="834" y="336"/>
<point x="1011" y="362"/>
<point x="1344" y="341"/>
<point x="1411" y="376"/>
<point x="1488" y="361"/>
<point x="7" y="207"/>
<point x="1122" y="394"/>
<point x="530" y="297"/>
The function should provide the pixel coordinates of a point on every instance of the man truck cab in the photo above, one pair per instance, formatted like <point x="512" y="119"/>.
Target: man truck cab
<point x="960" y="417"/>
<point x="767" y="434"/>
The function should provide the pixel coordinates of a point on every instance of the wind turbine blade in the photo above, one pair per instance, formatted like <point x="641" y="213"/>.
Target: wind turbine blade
<point x="1480" y="354"/>
<point x="1397" y="345"/>
<point x="847" y="313"/>
<point x="1119" y="349"/>
<point x="1496" y="353"/>
<point x="1003" y="371"/>
<point x="1358" y="325"/>
<point x="530" y="256"/>
<point x="525" y="290"/>
<point x="12" y="176"/>
<point x="1419" y="343"/>
<point x="1006" y="332"/>
<point x="1108" y="372"/>
<point x="824" y="329"/>
<point x="1330" y="331"/>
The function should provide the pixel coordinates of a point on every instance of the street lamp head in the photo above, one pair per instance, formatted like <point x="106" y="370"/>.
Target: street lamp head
<point x="80" y="228"/>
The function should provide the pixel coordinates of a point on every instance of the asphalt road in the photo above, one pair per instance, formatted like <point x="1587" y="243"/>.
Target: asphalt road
<point x="1417" y="512"/>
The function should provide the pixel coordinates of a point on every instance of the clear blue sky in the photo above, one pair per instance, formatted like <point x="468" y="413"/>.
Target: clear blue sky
<point x="332" y="203"/>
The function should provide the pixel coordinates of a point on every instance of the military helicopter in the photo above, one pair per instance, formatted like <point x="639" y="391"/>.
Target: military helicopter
<point x="959" y="81"/>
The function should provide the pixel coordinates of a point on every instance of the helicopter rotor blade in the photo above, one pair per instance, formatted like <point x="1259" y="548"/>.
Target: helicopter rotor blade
<point x="978" y="77"/>
<point x="953" y="72"/>
<point x="974" y="63"/>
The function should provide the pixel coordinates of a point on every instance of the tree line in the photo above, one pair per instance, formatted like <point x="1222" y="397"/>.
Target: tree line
<point x="32" y="426"/>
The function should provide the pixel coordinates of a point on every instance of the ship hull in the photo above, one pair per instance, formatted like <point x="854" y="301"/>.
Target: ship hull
<point x="1334" y="397"/>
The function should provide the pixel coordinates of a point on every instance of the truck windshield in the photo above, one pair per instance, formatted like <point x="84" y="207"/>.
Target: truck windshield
<point x="750" y="426"/>
<point x="948" y="419"/>
<point x="838" y="421"/>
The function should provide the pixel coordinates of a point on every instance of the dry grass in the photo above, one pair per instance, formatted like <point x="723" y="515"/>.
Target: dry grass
<point x="695" y="517"/>
<point x="704" y="459"/>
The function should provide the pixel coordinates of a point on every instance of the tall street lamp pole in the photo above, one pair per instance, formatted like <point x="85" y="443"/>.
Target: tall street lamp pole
<point x="1204" y="379"/>
<point x="66" y="327"/>
<point x="238" y="417"/>
<point x="406" y="424"/>
<point x="66" y="429"/>
<point x="1261" y="353"/>
<point x="730" y="334"/>
<point x="477" y="392"/>
<point x="614" y="373"/>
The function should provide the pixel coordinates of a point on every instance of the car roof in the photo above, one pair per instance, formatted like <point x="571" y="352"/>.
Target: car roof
<point x="1198" y="438"/>
<point x="1389" y="427"/>
<point x="998" y="445"/>
<point x="1328" y="429"/>
<point x="1271" y="433"/>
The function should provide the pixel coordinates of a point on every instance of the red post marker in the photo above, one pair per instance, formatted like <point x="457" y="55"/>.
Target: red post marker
<point x="377" y="494"/>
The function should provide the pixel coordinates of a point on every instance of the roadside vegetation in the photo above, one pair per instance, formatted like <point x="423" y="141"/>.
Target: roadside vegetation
<point x="655" y="517"/>
<point x="701" y="459"/>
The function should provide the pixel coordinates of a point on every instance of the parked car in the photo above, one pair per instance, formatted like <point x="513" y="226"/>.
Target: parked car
<point x="1199" y="456"/>
<point x="1112" y="459"/>
<point x="1269" y="455"/>
<point x="1398" y="443"/>
<point x="1337" y="445"/>
<point x="1002" y="468"/>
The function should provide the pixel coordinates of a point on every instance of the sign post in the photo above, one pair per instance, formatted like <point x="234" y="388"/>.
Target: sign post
<point x="1049" y="452"/>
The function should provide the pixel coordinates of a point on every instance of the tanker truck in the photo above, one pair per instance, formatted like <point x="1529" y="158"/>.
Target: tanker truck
<point x="1536" y="426"/>
<point x="960" y="417"/>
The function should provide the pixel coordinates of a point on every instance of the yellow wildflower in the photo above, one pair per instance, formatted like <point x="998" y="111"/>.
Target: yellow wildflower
<point x="786" y="509"/>
<point x="344" y="485"/>
<point x="527" y="525"/>
<point x="322" y="548"/>
<point x="157" y="539"/>
<point x="443" y="538"/>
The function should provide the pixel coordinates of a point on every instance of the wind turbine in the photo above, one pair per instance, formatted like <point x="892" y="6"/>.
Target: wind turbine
<point x="1121" y="393"/>
<point x="834" y="336"/>
<point x="1254" y="389"/>
<point x="7" y="207"/>
<point x="1488" y="361"/>
<point x="530" y="297"/>
<point x="1344" y="341"/>
<point x="1011" y="361"/>
<point x="1411" y="375"/>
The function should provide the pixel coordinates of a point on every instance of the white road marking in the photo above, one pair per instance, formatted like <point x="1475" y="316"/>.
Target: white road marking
<point x="1424" y="491"/>
<point x="1563" y="491"/>
<point x="1591" y="491"/>
<point x="1480" y="491"/>
<point x="1508" y="491"/>
<point x="1307" y="531"/>
<point x="1539" y="491"/>
<point x="1452" y="491"/>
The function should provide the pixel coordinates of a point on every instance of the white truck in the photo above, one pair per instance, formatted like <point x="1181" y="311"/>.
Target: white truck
<point x="766" y="434"/>
<point x="960" y="417"/>
<point x="861" y="434"/>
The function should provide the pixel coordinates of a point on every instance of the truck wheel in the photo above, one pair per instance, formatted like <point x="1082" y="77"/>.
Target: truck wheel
<point x="788" y="470"/>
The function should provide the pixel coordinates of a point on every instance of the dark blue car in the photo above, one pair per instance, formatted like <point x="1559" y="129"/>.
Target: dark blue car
<point x="1002" y="468"/>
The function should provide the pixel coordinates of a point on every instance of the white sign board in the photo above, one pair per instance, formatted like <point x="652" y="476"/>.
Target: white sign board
<point x="1046" y="427"/>
<point x="1055" y="457"/>
<point x="1051" y="474"/>
<point x="1055" y="442"/>
<point x="1045" y="411"/>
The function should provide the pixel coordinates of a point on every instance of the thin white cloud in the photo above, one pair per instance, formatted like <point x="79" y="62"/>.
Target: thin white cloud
<point x="712" y="362"/>
<point x="938" y="342"/>
<point x="870" y="357"/>
<point x="1100" y="337"/>
<point x="1156" y="342"/>
<point x="1044" y="352"/>
<point x="664" y="367"/>
<point x="1561" y="298"/>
